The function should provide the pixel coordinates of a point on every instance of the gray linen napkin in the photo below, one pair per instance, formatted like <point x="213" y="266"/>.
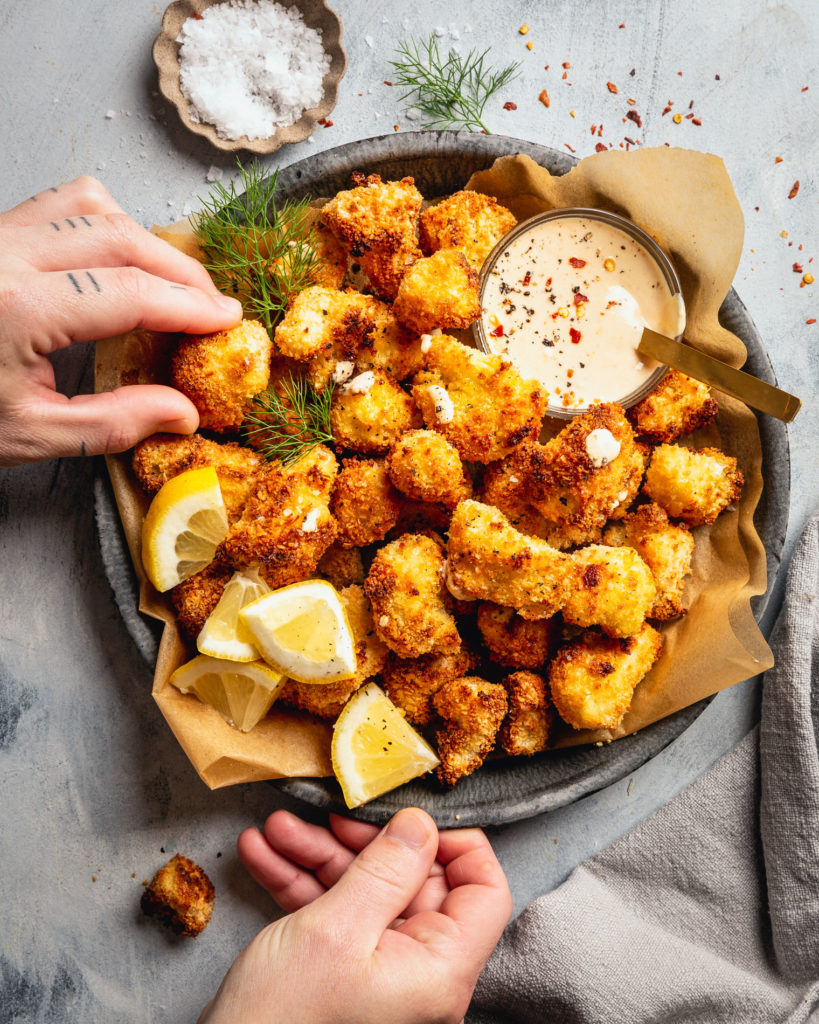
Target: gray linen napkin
<point x="707" y="912"/>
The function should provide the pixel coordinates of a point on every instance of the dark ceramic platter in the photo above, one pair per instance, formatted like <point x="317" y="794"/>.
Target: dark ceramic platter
<point x="504" y="790"/>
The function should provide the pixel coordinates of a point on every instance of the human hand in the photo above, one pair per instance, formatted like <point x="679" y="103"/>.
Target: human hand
<point x="75" y="267"/>
<point x="399" y="932"/>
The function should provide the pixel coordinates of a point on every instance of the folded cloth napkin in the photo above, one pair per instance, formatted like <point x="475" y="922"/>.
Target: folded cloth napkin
<point x="707" y="912"/>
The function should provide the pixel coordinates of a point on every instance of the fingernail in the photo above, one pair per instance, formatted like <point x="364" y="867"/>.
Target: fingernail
<point x="409" y="828"/>
<point x="178" y="426"/>
<point x="228" y="304"/>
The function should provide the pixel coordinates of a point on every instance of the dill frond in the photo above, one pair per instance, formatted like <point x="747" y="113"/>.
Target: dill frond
<point x="288" y="426"/>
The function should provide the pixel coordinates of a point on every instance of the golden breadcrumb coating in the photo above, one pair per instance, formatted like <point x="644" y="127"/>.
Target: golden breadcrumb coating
<point x="341" y="566"/>
<point x="374" y="420"/>
<point x="678" y="405"/>
<point x="406" y="588"/>
<point x="286" y="526"/>
<point x="493" y="407"/>
<point x="693" y="485"/>
<point x="161" y="457"/>
<point x="332" y="257"/>
<point x="514" y="641"/>
<point x="324" y="700"/>
<point x="438" y="291"/>
<point x="425" y="466"/>
<point x="608" y="587"/>
<point x="592" y="679"/>
<point x="220" y="373"/>
<point x="365" y="503"/>
<point x="411" y="683"/>
<point x="421" y="517"/>
<point x="467" y="220"/>
<point x="492" y="561"/>
<point x="525" y="729"/>
<point x="665" y="548"/>
<point x="389" y="346"/>
<point x="472" y="710"/>
<point x="196" y="597"/>
<point x="181" y="896"/>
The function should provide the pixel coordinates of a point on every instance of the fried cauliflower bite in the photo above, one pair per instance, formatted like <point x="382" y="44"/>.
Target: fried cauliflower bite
<point x="492" y="561"/>
<point x="608" y="587"/>
<point x="405" y="586"/>
<point x="196" y="597"/>
<point x="665" y="548"/>
<point x="370" y="412"/>
<point x="341" y="566"/>
<point x="365" y="503"/>
<point x="480" y="403"/>
<point x="469" y="221"/>
<point x="221" y="373"/>
<point x="441" y="290"/>
<point x="421" y="517"/>
<point x="693" y="485"/>
<point x="678" y="405"/>
<point x="425" y="466"/>
<point x="525" y="730"/>
<point x="411" y="683"/>
<point x="389" y="346"/>
<point x="514" y="641"/>
<point x="286" y="525"/>
<point x="472" y="710"/>
<point x="332" y="257"/>
<point x="181" y="896"/>
<point x="592" y="680"/>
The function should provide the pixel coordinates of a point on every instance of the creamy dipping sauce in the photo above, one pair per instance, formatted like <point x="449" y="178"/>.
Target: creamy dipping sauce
<point x="567" y="300"/>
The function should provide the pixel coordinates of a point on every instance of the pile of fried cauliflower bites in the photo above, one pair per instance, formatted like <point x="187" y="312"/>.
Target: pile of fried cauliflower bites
<point x="490" y="580"/>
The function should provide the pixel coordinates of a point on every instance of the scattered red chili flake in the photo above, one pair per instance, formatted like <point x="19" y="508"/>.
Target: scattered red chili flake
<point x="631" y="142"/>
<point x="811" y="321"/>
<point x="566" y="64"/>
<point x="580" y="298"/>
<point x="696" y="121"/>
<point x="386" y="82"/>
<point x="794" y="190"/>
<point x="622" y="24"/>
<point x="716" y="78"/>
<point x="611" y="87"/>
<point x="197" y="17"/>
<point x="509" y="105"/>
<point x="328" y="124"/>
<point x="778" y="160"/>
<point x="565" y="75"/>
<point x="691" y="105"/>
<point x="498" y="332"/>
<point x="797" y="268"/>
<point x="593" y="129"/>
<point x="600" y="131"/>
<point x="632" y="115"/>
<point x="548" y="282"/>
<point x="666" y="111"/>
<point x="680" y="73"/>
<point x="544" y="98"/>
<point x="633" y="72"/>
<point x="688" y="117"/>
<point x="545" y="67"/>
<point x="571" y="149"/>
<point x="395" y="128"/>
<point x="322" y="120"/>
<point x="601" y="147"/>
<point x="804" y="88"/>
<point x="574" y="334"/>
<point x="570" y="374"/>
<point x="576" y="263"/>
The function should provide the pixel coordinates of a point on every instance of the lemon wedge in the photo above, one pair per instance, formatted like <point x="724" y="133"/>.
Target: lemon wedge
<point x="242" y="692"/>
<point x="374" y="748"/>
<point x="223" y="635"/>
<point x="303" y="631"/>
<point x="184" y="525"/>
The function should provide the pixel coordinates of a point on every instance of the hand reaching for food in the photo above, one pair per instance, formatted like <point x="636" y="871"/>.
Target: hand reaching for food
<point x="75" y="267"/>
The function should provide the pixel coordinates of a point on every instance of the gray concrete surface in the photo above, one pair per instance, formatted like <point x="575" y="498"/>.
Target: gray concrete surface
<point x="94" y="784"/>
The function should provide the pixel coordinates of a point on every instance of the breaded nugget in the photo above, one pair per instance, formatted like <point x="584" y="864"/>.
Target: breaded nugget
<point x="406" y="588"/>
<point x="365" y="503"/>
<point x="480" y="403"/>
<point x="371" y="411"/>
<point x="324" y="700"/>
<point x="181" y="896"/>
<point x="514" y="641"/>
<point x="421" y="517"/>
<point x="332" y="257"/>
<point x="467" y="220"/>
<point x="693" y="485"/>
<point x="665" y="548"/>
<point x="341" y="566"/>
<point x="220" y="373"/>
<point x="441" y="290"/>
<point x="525" y="729"/>
<point x="472" y="710"/>
<point x="389" y="346"/>
<point x="411" y="683"/>
<point x="608" y="587"/>
<point x="286" y="525"/>
<point x="285" y="374"/>
<point x="592" y="679"/>
<point x="196" y="597"/>
<point x="425" y="466"/>
<point x="678" y="405"/>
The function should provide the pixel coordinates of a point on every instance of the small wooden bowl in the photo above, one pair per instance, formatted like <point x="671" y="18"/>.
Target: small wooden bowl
<point x="315" y="13"/>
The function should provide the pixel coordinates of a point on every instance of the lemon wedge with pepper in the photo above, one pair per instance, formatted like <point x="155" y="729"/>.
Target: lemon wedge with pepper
<point x="242" y="692"/>
<point x="223" y="635"/>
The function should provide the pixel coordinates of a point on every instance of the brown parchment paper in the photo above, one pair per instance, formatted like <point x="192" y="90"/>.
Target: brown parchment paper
<point x="686" y="201"/>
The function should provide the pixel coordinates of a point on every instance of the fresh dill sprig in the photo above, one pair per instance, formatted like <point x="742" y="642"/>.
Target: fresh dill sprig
<point x="257" y="250"/>
<point x="287" y="426"/>
<point x="449" y="90"/>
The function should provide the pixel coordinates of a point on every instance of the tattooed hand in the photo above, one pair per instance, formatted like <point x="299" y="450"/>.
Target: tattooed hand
<point x="75" y="267"/>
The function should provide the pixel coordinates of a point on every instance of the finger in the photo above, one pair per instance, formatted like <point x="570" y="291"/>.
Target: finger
<point x="355" y="834"/>
<point x="309" y="846"/>
<point x="289" y="885"/>
<point x="84" y="195"/>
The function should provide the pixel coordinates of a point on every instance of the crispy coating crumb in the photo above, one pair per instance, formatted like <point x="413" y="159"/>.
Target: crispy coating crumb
<point x="389" y="346"/>
<point x="373" y="421"/>
<point x="593" y="679"/>
<point x="678" y="405"/>
<point x="525" y="730"/>
<point x="181" y="896"/>
<point x="693" y="485"/>
<point x="332" y="256"/>
<point x="492" y="561"/>
<point x="220" y="373"/>
<point x="406" y="587"/>
<point x="608" y="587"/>
<point x="341" y="566"/>
<point x="411" y="683"/>
<point x="472" y="710"/>
<point x="365" y="503"/>
<point x="665" y="548"/>
<point x="494" y="408"/>
<point x="467" y="220"/>
<point x="196" y="597"/>
<point x="425" y="466"/>
<point x="514" y="641"/>
<point x="502" y="486"/>
<point x="421" y="517"/>
<point x="438" y="291"/>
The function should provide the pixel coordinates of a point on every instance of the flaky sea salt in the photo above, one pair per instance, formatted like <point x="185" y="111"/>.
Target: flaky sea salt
<point x="250" y="66"/>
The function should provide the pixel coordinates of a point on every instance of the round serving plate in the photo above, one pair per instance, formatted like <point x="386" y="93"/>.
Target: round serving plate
<point x="508" y="789"/>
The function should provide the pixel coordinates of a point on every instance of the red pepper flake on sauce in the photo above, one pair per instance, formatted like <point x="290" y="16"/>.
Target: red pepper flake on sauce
<point x="498" y="332"/>
<point x="579" y="298"/>
<point x="527" y="279"/>
<point x="577" y="264"/>
<point x="574" y="334"/>
<point x="794" y="190"/>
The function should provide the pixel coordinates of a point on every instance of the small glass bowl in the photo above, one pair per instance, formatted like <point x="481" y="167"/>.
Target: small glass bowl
<point x="661" y="259"/>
